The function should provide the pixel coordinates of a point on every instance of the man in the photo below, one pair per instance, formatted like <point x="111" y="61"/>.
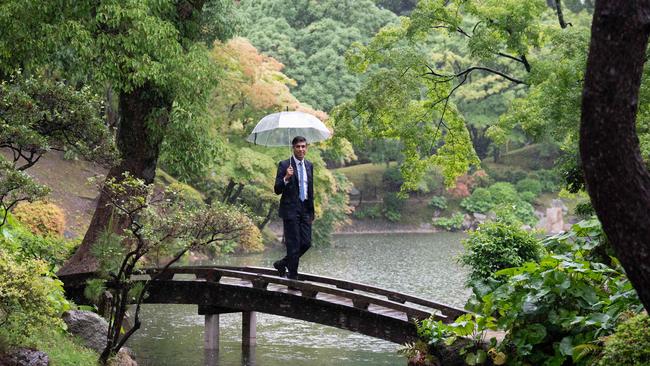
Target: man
<point x="295" y="182"/>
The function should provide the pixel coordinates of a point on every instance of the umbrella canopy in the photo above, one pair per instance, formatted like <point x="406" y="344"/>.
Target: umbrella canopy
<point x="278" y="129"/>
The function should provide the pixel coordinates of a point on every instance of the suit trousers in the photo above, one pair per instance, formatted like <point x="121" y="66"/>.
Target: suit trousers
<point x="297" y="238"/>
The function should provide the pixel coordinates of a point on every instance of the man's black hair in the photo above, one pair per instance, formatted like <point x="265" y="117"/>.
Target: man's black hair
<point x="298" y="139"/>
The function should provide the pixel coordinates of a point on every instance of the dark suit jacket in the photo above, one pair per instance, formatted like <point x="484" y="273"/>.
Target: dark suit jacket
<point x="290" y="191"/>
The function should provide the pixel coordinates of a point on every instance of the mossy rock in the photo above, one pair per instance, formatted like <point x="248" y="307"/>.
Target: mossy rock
<point x="41" y="217"/>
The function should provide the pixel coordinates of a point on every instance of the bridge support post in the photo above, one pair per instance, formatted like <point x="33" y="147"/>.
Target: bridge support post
<point x="211" y="335"/>
<point x="249" y="328"/>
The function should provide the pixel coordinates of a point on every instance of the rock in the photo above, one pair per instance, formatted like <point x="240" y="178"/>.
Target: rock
<point x="123" y="358"/>
<point x="526" y="227"/>
<point x="539" y="214"/>
<point x="88" y="326"/>
<point x="467" y="222"/>
<point x="559" y="203"/>
<point x="554" y="220"/>
<point x="480" y="218"/>
<point x="25" y="357"/>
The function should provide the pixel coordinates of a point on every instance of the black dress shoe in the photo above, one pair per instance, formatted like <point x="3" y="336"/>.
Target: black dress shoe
<point x="282" y="270"/>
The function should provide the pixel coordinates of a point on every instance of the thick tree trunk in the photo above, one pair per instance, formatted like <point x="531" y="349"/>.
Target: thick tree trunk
<point x="616" y="177"/>
<point x="143" y="119"/>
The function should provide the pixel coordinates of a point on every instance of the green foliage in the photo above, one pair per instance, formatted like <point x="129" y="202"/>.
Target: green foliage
<point x="438" y="202"/>
<point x="25" y="245"/>
<point x="392" y="179"/>
<point x="480" y="201"/>
<point x="16" y="186"/>
<point x="30" y="297"/>
<point x="370" y="212"/>
<point x="501" y="198"/>
<point x="520" y="212"/>
<point x="335" y="210"/>
<point x="310" y="38"/>
<point x="529" y="185"/>
<point x="630" y="345"/>
<point x="584" y="210"/>
<point x="470" y="326"/>
<point x="495" y="246"/>
<point x="38" y="114"/>
<point x="154" y="222"/>
<point x="503" y="192"/>
<point x="453" y="223"/>
<point x="61" y="348"/>
<point x="552" y="309"/>
<point x="393" y="205"/>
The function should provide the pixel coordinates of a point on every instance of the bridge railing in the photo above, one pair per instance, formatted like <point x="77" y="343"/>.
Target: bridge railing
<point x="361" y="295"/>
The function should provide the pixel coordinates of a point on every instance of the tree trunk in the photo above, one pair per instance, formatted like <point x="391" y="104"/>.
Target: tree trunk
<point x="616" y="177"/>
<point x="139" y="144"/>
<point x="234" y="196"/>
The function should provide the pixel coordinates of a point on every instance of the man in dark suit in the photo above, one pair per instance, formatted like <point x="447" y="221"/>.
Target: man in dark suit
<point x="295" y="181"/>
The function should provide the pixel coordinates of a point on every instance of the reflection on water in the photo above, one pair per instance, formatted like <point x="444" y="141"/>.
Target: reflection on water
<point x="419" y="264"/>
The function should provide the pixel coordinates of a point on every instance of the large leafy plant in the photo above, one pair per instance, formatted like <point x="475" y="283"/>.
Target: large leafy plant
<point x="555" y="311"/>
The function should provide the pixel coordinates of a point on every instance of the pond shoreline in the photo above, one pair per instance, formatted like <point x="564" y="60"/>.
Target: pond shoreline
<point x="361" y="227"/>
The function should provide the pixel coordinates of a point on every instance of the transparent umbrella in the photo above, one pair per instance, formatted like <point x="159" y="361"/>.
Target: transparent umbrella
<point x="278" y="129"/>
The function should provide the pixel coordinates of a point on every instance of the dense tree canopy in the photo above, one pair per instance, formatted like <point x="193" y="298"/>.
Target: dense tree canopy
<point x="310" y="39"/>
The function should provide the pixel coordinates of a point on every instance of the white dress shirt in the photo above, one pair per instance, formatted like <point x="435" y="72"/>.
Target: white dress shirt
<point x="304" y="172"/>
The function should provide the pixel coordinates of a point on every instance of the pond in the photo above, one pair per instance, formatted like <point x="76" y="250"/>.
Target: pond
<point x="423" y="265"/>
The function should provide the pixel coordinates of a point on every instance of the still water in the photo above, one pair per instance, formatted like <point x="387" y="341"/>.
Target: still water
<point x="419" y="264"/>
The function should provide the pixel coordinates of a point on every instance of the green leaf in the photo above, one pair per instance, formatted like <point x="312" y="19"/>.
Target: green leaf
<point x="566" y="346"/>
<point x="476" y="358"/>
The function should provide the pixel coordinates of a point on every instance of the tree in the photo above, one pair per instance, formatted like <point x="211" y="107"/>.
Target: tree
<point x="616" y="176"/>
<point x="160" y="221"/>
<point x="38" y="114"/>
<point x="310" y="39"/>
<point x="151" y="54"/>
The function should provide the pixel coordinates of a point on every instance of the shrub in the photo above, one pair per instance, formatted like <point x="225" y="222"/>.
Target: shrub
<point x="480" y="201"/>
<point x="630" y="345"/>
<point x="463" y="188"/>
<point x="481" y="178"/>
<point x="42" y="218"/>
<point x="432" y="182"/>
<point x="555" y="311"/>
<point x="495" y="246"/>
<point x="528" y="196"/>
<point x="372" y="212"/>
<point x="29" y="298"/>
<point x="584" y="209"/>
<point x="392" y="179"/>
<point x="250" y="239"/>
<point x="393" y="204"/>
<point x="503" y="192"/>
<point x="438" y="202"/>
<point x="453" y="223"/>
<point x="529" y="185"/>
<point x="551" y="180"/>
<point x="517" y="213"/>
<point x="186" y="192"/>
<point x="514" y="175"/>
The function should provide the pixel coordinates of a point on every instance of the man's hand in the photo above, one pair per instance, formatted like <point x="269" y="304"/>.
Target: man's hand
<point x="288" y="174"/>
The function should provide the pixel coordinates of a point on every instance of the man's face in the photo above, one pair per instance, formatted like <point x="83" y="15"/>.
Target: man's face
<point x="299" y="150"/>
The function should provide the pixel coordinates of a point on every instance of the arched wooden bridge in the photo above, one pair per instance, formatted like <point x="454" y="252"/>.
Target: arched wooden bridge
<point x="357" y="307"/>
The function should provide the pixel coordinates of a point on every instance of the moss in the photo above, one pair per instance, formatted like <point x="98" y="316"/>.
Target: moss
<point x="630" y="345"/>
<point x="41" y="217"/>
